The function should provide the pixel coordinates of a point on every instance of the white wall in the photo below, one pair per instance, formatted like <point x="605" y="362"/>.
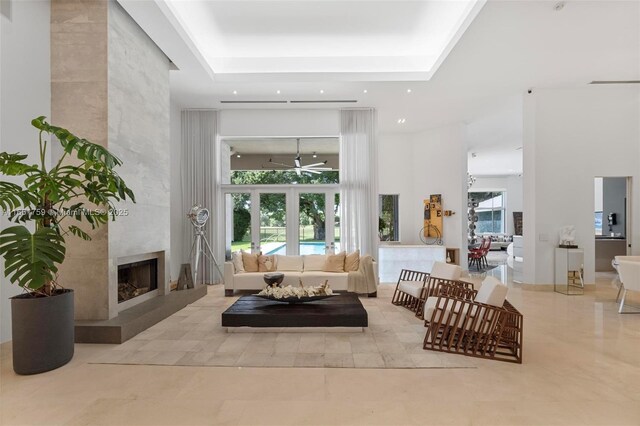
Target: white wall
<point x="418" y="165"/>
<point x="178" y="254"/>
<point x="598" y="195"/>
<point x="282" y="122"/>
<point x="25" y="94"/>
<point x="513" y="187"/>
<point x="572" y="136"/>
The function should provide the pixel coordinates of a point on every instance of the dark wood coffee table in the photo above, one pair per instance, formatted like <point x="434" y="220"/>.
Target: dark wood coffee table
<point x="343" y="310"/>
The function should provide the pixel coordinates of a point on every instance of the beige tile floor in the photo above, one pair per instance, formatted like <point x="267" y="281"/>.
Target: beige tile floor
<point x="581" y="366"/>
<point x="194" y="337"/>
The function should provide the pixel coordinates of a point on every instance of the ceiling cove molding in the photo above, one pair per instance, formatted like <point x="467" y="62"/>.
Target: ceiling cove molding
<point x="418" y="63"/>
<point x="157" y="19"/>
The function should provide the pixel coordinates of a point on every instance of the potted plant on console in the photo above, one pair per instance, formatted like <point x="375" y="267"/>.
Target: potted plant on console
<point x="54" y="201"/>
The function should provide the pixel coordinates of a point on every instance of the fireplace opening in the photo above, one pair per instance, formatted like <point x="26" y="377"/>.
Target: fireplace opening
<point x="136" y="279"/>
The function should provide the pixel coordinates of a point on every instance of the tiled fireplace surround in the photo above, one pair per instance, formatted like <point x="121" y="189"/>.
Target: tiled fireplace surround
<point x="110" y="85"/>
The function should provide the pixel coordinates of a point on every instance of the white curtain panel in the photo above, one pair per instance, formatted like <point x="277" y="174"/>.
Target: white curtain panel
<point x="200" y="177"/>
<point x="359" y="180"/>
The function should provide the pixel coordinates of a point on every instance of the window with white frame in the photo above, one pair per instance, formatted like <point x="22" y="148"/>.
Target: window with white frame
<point x="491" y="211"/>
<point x="389" y="218"/>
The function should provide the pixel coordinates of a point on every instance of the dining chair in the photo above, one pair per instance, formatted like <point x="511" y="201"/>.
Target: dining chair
<point x="629" y="272"/>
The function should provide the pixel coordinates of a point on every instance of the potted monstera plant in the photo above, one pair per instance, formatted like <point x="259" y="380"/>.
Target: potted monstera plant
<point x="52" y="204"/>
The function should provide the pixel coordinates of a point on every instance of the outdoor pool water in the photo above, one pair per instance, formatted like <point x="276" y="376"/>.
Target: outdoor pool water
<point x="305" y="248"/>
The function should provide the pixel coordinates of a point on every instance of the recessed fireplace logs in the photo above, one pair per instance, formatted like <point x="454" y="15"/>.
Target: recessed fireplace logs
<point x="136" y="279"/>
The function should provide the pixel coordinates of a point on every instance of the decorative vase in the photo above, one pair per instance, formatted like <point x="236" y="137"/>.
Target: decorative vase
<point x="42" y="331"/>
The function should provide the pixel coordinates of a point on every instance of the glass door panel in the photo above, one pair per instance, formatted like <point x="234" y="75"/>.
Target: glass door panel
<point x="312" y="222"/>
<point x="273" y="223"/>
<point x="336" y="225"/>
<point x="238" y="223"/>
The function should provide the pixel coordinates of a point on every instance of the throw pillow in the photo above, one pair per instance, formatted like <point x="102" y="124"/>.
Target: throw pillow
<point x="352" y="261"/>
<point x="236" y="259"/>
<point x="266" y="263"/>
<point x="314" y="262"/>
<point x="335" y="262"/>
<point x="250" y="262"/>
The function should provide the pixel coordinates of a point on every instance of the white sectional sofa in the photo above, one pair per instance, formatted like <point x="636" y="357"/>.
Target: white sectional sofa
<point x="307" y="268"/>
<point x="498" y="241"/>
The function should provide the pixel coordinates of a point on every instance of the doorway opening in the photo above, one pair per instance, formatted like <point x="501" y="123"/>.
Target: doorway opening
<point x="611" y="220"/>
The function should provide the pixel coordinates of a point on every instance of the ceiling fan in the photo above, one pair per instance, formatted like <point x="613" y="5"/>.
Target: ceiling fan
<point x="314" y="168"/>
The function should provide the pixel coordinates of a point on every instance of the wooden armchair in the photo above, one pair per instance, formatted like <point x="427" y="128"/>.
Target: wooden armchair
<point x="475" y="323"/>
<point x="414" y="287"/>
<point x="409" y="288"/>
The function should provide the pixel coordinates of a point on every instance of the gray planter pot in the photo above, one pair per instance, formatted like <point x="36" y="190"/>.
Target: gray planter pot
<point x="42" y="332"/>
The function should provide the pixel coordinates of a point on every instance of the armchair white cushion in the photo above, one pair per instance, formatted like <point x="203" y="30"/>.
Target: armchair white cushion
<point x="446" y="271"/>
<point x="430" y="307"/>
<point x="413" y="288"/>
<point x="492" y="292"/>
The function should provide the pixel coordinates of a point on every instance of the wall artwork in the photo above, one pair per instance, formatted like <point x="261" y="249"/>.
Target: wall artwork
<point x="517" y="223"/>
<point x="432" y="231"/>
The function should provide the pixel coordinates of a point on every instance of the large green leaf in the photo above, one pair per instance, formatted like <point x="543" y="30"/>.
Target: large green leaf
<point x="85" y="150"/>
<point x="13" y="197"/>
<point x="31" y="259"/>
<point x="12" y="165"/>
<point x="79" y="233"/>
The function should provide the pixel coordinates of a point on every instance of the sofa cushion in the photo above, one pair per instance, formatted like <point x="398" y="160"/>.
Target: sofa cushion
<point x="248" y="281"/>
<point x="314" y="262"/>
<point x="414" y="288"/>
<point x="336" y="280"/>
<point x="266" y="263"/>
<point x="352" y="261"/>
<point x="236" y="259"/>
<point x="250" y="261"/>
<point x="289" y="263"/>
<point x="335" y="262"/>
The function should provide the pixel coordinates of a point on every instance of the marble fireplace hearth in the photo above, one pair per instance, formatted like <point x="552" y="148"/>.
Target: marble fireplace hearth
<point x="136" y="319"/>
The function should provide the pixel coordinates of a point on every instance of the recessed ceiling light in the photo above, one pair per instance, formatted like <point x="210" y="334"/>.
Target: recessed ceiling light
<point x="408" y="90"/>
<point x="364" y="91"/>
<point x="321" y="91"/>
<point x="235" y="92"/>
<point x="238" y="155"/>
<point x="401" y="120"/>
<point x="278" y="92"/>
<point x="315" y="155"/>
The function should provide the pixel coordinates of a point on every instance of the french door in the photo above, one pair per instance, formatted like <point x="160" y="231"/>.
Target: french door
<point x="282" y="219"/>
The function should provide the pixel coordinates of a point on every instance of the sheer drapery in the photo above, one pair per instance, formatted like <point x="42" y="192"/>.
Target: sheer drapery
<point x="359" y="180"/>
<point x="199" y="174"/>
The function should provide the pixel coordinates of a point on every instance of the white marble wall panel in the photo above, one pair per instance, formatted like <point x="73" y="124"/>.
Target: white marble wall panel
<point x="110" y="84"/>
<point x="139" y="133"/>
